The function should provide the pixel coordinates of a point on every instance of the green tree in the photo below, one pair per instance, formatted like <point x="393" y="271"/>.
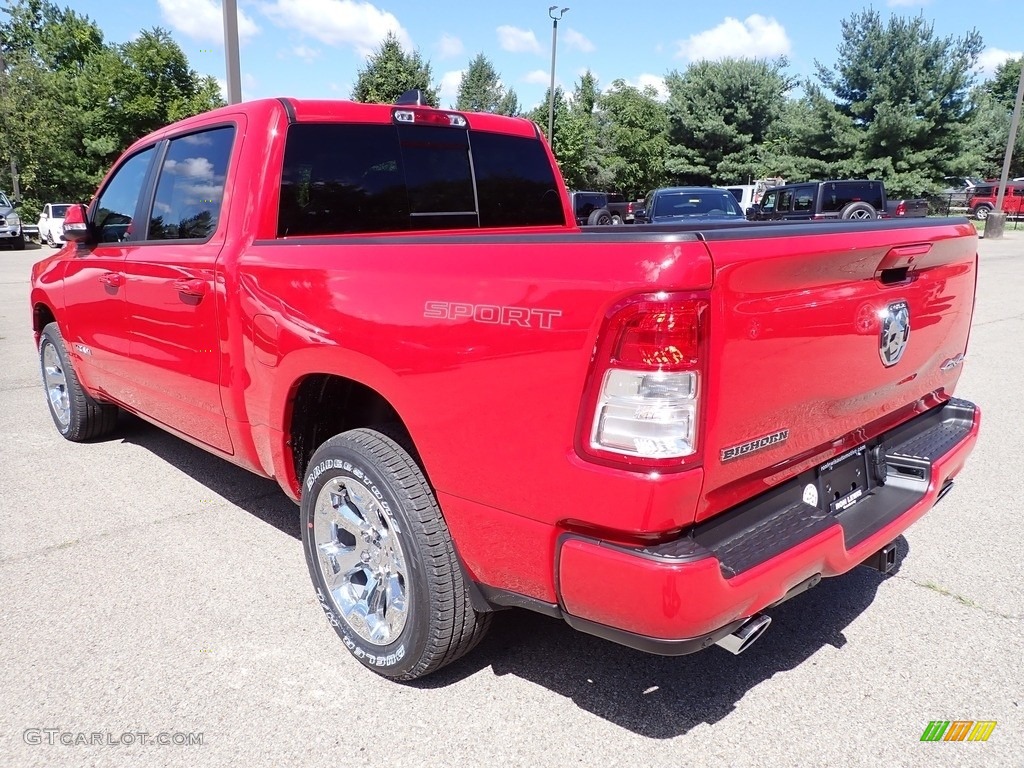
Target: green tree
<point x="720" y="115"/>
<point x="995" y="99"/>
<point x="582" y="157"/>
<point x="481" y="89"/>
<point x="539" y="115"/>
<point x="633" y="126"/>
<point x="906" y="93"/>
<point x="509" y="104"/>
<point x="390" y="72"/>
<point x="70" y="104"/>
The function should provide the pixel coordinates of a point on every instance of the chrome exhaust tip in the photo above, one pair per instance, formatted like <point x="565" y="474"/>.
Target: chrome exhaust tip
<point x="747" y="634"/>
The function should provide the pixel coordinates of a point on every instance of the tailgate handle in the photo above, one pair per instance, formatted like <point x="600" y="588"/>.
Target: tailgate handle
<point x="903" y="256"/>
<point x="899" y="262"/>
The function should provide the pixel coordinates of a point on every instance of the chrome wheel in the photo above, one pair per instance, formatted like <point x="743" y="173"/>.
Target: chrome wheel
<point x="56" y="383"/>
<point x="361" y="561"/>
<point x="860" y="215"/>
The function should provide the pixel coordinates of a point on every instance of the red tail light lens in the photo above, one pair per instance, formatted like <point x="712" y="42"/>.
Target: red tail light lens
<point x="659" y="336"/>
<point x="641" y="408"/>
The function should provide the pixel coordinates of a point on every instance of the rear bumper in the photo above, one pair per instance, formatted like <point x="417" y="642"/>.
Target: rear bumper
<point x="681" y="596"/>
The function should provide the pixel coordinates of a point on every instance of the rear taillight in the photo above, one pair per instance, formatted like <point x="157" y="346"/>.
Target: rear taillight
<point x="641" y="407"/>
<point x="901" y="209"/>
<point x="629" y="208"/>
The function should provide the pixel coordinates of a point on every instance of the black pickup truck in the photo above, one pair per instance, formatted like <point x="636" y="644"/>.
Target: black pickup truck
<point x="600" y="208"/>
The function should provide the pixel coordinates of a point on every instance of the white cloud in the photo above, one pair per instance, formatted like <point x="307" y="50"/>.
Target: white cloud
<point x="754" y="37"/>
<point x="538" y="77"/>
<point x="578" y="41"/>
<point x="203" y="20"/>
<point x="991" y="58"/>
<point x="307" y="54"/>
<point x="449" y="91"/>
<point x="656" y="82"/>
<point x="518" y="40"/>
<point x="338" y="22"/>
<point x="449" y="46"/>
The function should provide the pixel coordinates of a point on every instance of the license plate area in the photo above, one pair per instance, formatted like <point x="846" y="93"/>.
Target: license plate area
<point x="844" y="481"/>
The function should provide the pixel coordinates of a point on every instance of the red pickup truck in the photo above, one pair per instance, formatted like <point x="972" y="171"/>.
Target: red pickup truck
<point x="653" y="433"/>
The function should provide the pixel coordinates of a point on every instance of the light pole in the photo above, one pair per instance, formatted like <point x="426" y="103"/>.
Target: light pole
<point x="234" y="80"/>
<point x="551" y="95"/>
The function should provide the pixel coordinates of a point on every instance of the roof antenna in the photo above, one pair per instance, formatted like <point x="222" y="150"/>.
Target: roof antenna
<point x="412" y="97"/>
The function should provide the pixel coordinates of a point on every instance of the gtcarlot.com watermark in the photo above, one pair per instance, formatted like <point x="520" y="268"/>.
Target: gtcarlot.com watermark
<point x="66" y="738"/>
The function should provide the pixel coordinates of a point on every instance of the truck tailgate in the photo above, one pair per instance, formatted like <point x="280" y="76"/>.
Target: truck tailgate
<point x="809" y="343"/>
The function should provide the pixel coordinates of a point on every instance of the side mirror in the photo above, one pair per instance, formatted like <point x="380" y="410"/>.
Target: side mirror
<point x="76" y="224"/>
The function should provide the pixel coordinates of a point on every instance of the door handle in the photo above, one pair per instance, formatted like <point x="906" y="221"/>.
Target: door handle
<point x="112" y="279"/>
<point x="194" y="287"/>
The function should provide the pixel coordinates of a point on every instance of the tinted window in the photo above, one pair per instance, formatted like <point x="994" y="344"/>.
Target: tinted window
<point x="984" y="191"/>
<point x="340" y="179"/>
<point x="4" y="201"/>
<point x="737" y="192"/>
<point x="803" y="199"/>
<point x="1017" y="191"/>
<point x="768" y="204"/>
<point x="836" y="195"/>
<point x="115" y="207"/>
<point x="437" y="176"/>
<point x="584" y="203"/>
<point x="58" y="211"/>
<point x="191" y="186"/>
<point x="515" y="183"/>
<point x="785" y="199"/>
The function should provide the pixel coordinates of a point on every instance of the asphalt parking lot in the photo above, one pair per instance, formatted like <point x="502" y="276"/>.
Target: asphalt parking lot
<point x="147" y="587"/>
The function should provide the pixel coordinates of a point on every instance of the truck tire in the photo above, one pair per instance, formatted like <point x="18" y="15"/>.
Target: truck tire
<point x="77" y="416"/>
<point x="381" y="559"/>
<point x="19" y="242"/>
<point x="616" y="220"/>
<point x="981" y="212"/>
<point x="859" y="211"/>
<point x="599" y="217"/>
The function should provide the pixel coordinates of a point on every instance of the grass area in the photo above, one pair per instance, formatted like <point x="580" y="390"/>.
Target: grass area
<point x="979" y="225"/>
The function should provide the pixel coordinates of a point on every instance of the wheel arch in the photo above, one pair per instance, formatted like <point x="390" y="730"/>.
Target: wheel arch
<point x="312" y="403"/>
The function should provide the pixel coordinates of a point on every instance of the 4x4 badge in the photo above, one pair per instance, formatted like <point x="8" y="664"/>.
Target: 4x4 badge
<point x="892" y="341"/>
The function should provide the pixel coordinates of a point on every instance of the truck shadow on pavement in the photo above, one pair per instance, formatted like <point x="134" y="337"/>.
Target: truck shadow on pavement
<point x="655" y="696"/>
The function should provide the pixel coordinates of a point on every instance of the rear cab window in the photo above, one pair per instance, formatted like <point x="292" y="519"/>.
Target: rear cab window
<point x="371" y="178"/>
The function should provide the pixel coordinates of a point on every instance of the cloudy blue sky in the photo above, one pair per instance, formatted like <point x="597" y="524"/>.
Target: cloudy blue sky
<point x="314" y="48"/>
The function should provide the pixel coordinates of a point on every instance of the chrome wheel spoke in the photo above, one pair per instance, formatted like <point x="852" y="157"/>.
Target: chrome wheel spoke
<point x="338" y="565"/>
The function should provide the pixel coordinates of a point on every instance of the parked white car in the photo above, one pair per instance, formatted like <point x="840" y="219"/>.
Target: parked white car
<point x="51" y="224"/>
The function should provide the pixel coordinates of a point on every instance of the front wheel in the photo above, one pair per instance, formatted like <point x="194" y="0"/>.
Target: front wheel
<point x="77" y="416"/>
<point x="19" y="242"/>
<point x="381" y="559"/>
<point x="981" y="212"/>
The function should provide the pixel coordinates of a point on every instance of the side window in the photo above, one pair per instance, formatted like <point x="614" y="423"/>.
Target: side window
<point x="768" y="203"/>
<point x="785" y="200"/>
<point x="191" y="186"/>
<point x="515" y="184"/>
<point x="115" y="207"/>
<point x="803" y="199"/>
<point x="1018" y="191"/>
